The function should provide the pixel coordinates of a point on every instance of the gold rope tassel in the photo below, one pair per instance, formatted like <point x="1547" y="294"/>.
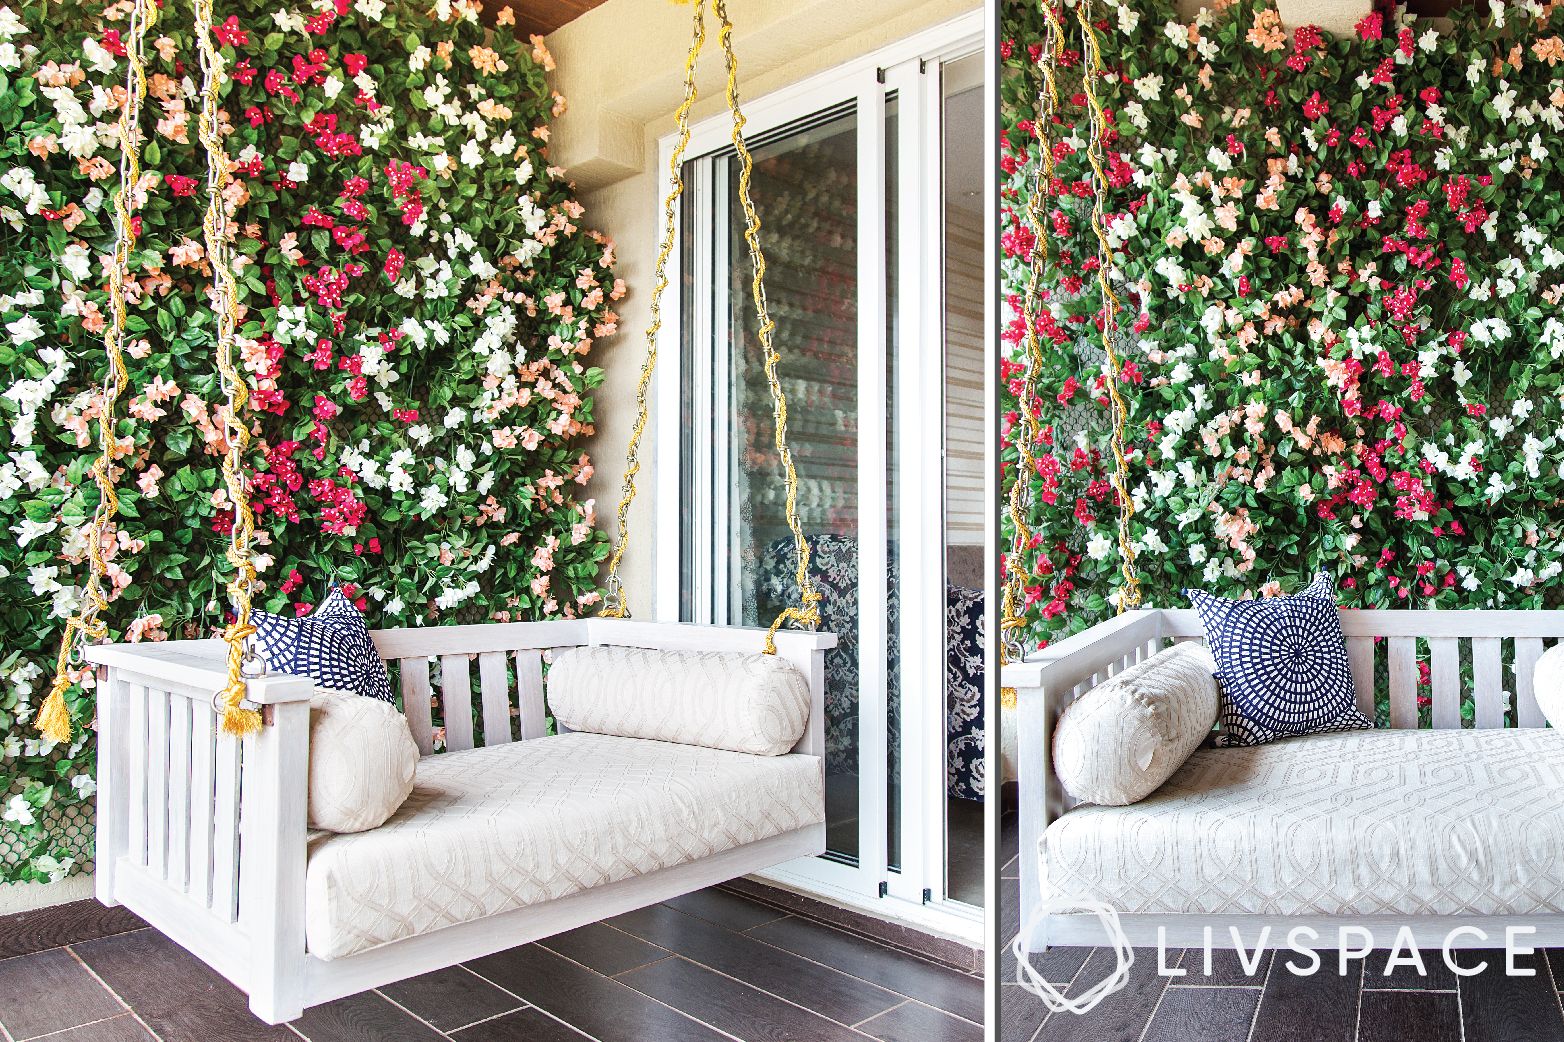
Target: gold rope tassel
<point x="54" y="716"/>
<point x="237" y="720"/>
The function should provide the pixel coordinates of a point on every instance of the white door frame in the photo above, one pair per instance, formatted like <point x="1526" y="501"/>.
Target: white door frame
<point x="909" y="68"/>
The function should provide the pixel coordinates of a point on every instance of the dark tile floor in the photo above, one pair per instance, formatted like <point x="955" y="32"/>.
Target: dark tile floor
<point x="708" y="966"/>
<point x="1272" y="1004"/>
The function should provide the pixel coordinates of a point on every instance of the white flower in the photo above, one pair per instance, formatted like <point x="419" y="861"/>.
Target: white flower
<point x="84" y="785"/>
<point x="1099" y="547"/>
<point x="24" y="330"/>
<point x="42" y="579"/>
<point x="29" y="530"/>
<point x="371" y="9"/>
<point x="19" y="811"/>
<point x="472" y="155"/>
<point x="10" y="57"/>
<point x="53" y="867"/>
<point x="298" y="171"/>
<point x="1149" y="87"/>
<point x="76" y="261"/>
<point x="99" y="58"/>
<point x="10" y="24"/>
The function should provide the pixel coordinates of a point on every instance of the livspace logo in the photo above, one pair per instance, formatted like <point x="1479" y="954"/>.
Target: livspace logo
<point x="1354" y="944"/>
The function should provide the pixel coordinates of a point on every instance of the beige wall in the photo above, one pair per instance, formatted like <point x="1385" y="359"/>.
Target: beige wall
<point x="620" y="68"/>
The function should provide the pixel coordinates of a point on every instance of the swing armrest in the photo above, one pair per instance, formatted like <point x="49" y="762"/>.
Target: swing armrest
<point x="193" y="667"/>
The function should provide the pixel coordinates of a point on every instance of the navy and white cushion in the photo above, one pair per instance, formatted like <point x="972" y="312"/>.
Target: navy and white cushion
<point x="1282" y="663"/>
<point x="331" y="646"/>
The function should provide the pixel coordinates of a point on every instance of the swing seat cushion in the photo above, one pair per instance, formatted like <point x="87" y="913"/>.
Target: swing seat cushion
<point x="1402" y="822"/>
<point x="745" y="703"/>
<point x="503" y="827"/>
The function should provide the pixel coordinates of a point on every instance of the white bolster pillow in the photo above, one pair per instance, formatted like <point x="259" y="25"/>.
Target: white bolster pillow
<point x="745" y="703"/>
<point x="362" y="761"/>
<point x="1548" y="685"/>
<point x="1116" y="744"/>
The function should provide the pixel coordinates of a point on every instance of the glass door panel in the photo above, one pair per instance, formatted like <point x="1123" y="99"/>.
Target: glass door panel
<point x="805" y="185"/>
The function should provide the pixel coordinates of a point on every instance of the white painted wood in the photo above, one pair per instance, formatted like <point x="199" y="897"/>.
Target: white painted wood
<point x="494" y="690"/>
<point x="1488" y="682"/>
<point x="456" y="701"/>
<point x="226" y="785"/>
<point x="178" y="792"/>
<point x="135" y="749"/>
<point x="203" y="761"/>
<point x="1360" y="656"/>
<point x="114" y="782"/>
<point x="274" y="825"/>
<point x="1397" y="622"/>
<point x="432" y="641"/>
<point x="1444" y="666"/>
<point x="215" y="941"/>
<point x="1527" y="712"/>
<point x="193" y="669"/>
<point x="416" y="693"/>
<point x="157" y="781"/>
<point x="1403" y="681"/>
<point x="529" y="695"/>
<point x="684" y="636"/>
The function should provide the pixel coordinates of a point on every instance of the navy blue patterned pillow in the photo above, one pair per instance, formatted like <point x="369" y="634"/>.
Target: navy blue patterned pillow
<point x="1282" y="663"/>
<point x="331" y="646"/>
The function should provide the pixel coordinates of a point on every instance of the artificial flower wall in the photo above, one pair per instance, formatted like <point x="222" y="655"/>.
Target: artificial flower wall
<point x="1343" y="340"/>
<point x="420" y="303"/>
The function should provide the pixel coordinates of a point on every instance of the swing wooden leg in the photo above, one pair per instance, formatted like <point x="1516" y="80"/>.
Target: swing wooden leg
<point x="271" y="901"/>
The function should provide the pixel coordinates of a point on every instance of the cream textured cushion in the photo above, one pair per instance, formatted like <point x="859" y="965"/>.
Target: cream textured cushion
<point x="1548" y="685"/>
<point x="719" y="700"/>
<point x="362" y="761"/>
<point x="1114" y="745"/>
<point x="1404" y="823"/>
<point x="507" y="826"/>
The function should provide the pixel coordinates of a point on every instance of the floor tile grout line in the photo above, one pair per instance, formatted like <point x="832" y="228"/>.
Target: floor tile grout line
<point x="483" y="1020"/>
<point x="622" y="984"/>
<point x="1144" y="1028"/>
<point x="70" y="950"/>
<point x="858" y="1026"/>
<point x="525" y="1003"/>
<point x="410" y="1013"/>
<point x="1357" y="1025"/>
<point x="60" y="1031"/>
<point x="1254" y="1021"/>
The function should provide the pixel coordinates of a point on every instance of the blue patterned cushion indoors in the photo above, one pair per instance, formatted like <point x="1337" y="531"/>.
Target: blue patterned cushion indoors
<point x="331" y="646"/>
<point x="1282" y="664"/>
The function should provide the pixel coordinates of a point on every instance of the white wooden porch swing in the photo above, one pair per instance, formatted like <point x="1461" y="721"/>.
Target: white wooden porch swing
<point x="1456" y="822"/>
<point x="202" y="817"/>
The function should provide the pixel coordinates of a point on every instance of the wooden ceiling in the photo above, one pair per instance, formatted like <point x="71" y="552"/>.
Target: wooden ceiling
<point x="540" y="16"/>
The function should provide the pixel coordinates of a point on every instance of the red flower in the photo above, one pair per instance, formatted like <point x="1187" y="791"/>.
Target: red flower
<point x="355" y="63"/>
<point x="180" y="185"/>
<point x="1372" y="27"/>
<point x="229" y="34"/>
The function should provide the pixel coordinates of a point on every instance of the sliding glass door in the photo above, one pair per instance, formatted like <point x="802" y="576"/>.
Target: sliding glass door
<point x="853" y="235"/>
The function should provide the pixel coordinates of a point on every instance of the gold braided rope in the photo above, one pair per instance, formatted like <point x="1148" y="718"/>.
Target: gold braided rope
<point x="54" y="717"/>
<point x="616" y="605"/>
<point x="807" y="612"/>
<point x="236" y="719"/>
<point x="1013" y="609"/>
<point x="1013" y="595"/>
<point x="1129" y="596"/>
